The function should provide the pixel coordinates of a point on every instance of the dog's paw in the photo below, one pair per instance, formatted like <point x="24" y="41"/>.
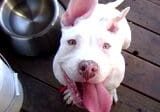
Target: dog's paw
<point x="68" y="97"/>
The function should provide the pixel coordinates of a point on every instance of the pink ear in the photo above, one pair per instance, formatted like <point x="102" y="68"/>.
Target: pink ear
<point x="76" y="9"/>
<point x="112" y="26"/>
<point x="113" y="23"/>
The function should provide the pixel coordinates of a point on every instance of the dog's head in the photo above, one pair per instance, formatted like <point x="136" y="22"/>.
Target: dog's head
<point x="93" y="36"/>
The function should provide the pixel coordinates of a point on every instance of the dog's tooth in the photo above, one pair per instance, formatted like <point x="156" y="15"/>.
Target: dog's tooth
<point x="66" y="91"/>
<point x="67" y="96"/>
<point x="70" y="100"/>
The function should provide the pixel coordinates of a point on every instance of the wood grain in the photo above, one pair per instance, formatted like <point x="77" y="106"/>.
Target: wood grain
<point x="131" y="101"/>
<point x="142" y="76"/>
<point x="155" y="2"/>
<point x="39" y="97"/>
<point x="145" y="43"/>
<point x="143" y="13"/>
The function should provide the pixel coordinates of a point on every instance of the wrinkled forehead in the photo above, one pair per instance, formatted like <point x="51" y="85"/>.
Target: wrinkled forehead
<point x="85" y="28"/>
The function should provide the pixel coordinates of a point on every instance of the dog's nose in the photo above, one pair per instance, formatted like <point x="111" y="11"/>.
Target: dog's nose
<point x="88" y="69"/>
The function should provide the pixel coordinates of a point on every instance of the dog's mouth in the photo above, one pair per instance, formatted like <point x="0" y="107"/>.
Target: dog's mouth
<point x="93" y="97"/>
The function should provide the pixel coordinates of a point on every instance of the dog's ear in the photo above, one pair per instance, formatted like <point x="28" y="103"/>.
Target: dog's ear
<point x="76" y="9"/>
<point x="112" y="25"/>
<point x="127" y="40"/>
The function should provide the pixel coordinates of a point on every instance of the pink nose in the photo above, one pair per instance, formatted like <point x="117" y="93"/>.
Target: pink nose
<point x="88" y="69"/>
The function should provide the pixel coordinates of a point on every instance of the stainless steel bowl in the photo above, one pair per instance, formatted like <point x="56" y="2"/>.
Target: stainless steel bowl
<point x="33" y="25"/>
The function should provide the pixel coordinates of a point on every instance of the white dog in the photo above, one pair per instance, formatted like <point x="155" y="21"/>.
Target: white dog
<point x="89" y="61"/>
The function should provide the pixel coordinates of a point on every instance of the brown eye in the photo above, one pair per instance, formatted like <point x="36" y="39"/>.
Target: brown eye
<point x="72" y="42"/>
<point x="106" y="46"/>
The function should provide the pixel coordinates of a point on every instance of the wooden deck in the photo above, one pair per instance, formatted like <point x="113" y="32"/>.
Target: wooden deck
<point x="140" y="90"/>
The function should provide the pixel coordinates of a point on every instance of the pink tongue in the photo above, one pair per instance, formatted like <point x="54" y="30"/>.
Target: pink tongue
<point x="96" y="98"/>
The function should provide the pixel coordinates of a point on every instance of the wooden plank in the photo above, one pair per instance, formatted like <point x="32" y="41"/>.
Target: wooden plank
<point x="144" y="13"/>
<point x="145" y="44"/>
<point x="155" y="2"/>
<point x="39" y="67"/>
<point x="39" y="97"/>
<point x="131" y="101"/>
<point x="142" y="76"/>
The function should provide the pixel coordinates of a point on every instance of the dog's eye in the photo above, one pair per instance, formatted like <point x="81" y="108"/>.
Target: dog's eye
<point x="72" y="42"/>
<point x="106" y="46"/>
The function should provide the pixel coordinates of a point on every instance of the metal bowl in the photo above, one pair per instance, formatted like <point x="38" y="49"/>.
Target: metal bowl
<point x="33" y="25"/>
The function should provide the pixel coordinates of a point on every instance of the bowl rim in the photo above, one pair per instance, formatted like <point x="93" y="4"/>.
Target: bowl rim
<point x="41" y="33"/>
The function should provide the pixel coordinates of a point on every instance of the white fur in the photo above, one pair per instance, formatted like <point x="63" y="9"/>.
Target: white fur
<point x="90" y="34"/>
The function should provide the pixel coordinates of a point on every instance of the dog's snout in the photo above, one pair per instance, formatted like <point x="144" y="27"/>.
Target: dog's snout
<point x="88" y="69"/>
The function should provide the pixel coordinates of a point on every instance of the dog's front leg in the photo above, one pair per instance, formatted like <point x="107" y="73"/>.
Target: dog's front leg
<point x="114" y="95"/>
